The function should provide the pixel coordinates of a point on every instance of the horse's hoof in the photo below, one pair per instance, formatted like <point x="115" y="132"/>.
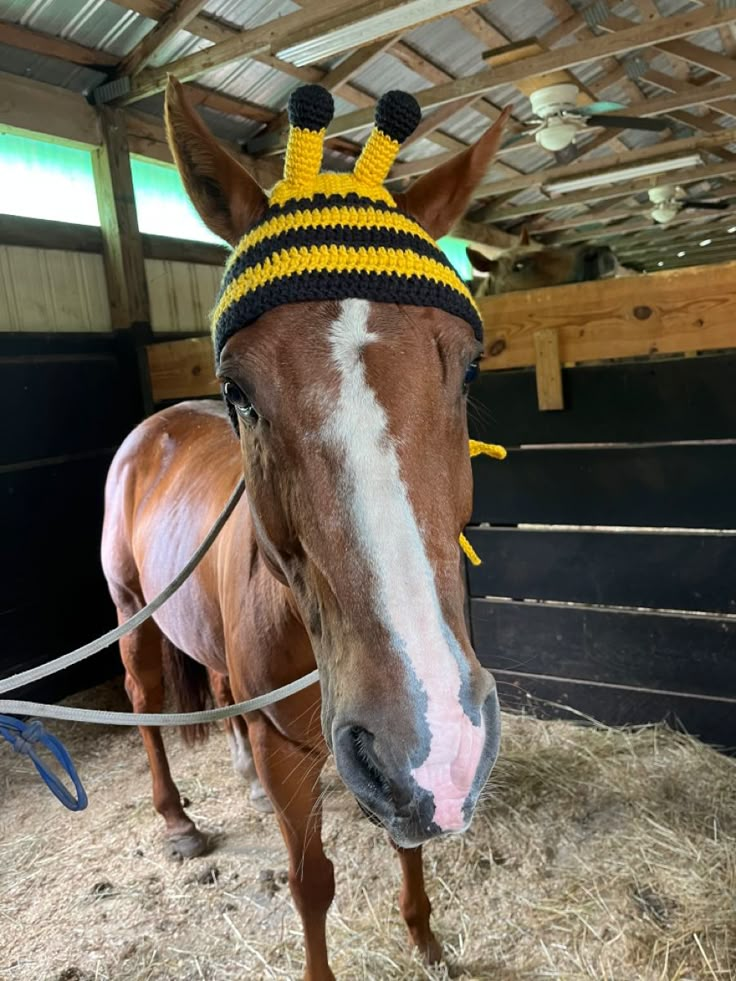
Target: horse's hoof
<point x="189" y="845"/>
<point x="432" y="952"/>
<point x="260" y="801"/>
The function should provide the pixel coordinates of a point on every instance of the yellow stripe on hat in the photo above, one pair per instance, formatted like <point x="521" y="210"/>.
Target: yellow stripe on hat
<point x="337" y="259"/>
<point x="329" y="217"/>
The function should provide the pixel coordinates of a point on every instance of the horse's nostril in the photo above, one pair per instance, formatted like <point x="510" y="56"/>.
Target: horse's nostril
<point x="364" y="754"/>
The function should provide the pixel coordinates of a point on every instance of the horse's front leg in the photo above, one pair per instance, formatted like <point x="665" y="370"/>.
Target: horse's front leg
<point x="290" y="776"/>
<point x="415" y="905"/>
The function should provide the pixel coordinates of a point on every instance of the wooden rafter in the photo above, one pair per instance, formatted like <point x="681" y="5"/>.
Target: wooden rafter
<point x="657" y="151"/>
<point x="692" y="175"/>
<point x="620" y="42"/>
<point x="271" y="37"/>
<point x="54" y="47"/>
<point x="177" y="18"/>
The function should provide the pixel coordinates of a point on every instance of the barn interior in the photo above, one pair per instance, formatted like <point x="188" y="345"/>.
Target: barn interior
<point x="606" y="591"/>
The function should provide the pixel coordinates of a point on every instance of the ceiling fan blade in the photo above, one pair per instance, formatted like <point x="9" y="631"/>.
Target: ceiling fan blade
<point x="567" y="154"/>
<point x="650" y="123"/>
<point x="593" y="107"/>
<point x="516" y="138"/>
<point x="705" y="205"/>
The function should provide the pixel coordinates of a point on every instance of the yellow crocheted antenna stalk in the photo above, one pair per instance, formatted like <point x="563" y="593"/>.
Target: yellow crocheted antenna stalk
<point x="376" y="160"/>
<point x="476" y="448"/>
<point x="303" y="158"/>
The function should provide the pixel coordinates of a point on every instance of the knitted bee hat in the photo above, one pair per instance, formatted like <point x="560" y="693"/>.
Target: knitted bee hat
<point x="331" y="236"/>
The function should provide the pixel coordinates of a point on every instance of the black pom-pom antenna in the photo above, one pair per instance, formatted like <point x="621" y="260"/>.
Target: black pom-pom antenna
<point x="311" y="107"/>
<point x="397" y="115"/>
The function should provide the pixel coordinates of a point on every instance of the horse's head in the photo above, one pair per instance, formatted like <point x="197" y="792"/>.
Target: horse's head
<point x="531" y="266"/>
<point x="351" y="413"/>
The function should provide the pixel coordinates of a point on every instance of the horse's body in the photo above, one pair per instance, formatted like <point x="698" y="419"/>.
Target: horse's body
<point x="352" y="436"/>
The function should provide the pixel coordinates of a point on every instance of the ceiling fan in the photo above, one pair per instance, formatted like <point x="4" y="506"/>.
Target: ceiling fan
<point x="558" y="118"/>
<point x="669" y="200"/>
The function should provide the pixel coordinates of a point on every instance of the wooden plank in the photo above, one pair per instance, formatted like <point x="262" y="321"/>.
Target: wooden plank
<point x="608" y="163"/>
<point x="179" y="16"/>
<point x="182" y="369"/>
<point x="689" y="655"/>
<point x="40" y="233"/>
<point x="555" y="698"/>
<point x="30" y="106"/>
<point x="121" y="241"/>
<point x="660" y="571"/>
<point x="568" y="56"/>
<point x="275" y="35"/>
<point x="669" y="311"/>
<point x="670" y="486"/>
<point x="548" y="371"/>
<point x="597" y="194"/>
<point x="645" y="401"/>
<point x="50" y="46"/>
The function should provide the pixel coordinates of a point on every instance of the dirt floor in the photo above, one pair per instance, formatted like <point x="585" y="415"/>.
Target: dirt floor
<point x="596" y="854"/>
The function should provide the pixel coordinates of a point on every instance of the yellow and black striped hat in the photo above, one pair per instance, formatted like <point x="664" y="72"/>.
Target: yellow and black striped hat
<point x="338" y="236"/>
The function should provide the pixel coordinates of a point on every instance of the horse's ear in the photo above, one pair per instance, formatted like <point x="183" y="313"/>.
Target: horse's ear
<point x="481" y="263"/>
<point x="441" y="197"/>
<point x="524" y="237"/>
<point x="228" y="199"/>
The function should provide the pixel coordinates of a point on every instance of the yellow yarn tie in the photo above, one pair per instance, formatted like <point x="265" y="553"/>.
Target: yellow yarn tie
<point x="477" y="447"/>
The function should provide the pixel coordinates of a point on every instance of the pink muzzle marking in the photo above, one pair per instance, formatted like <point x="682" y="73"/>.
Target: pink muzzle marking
<point x="448" y="772"/>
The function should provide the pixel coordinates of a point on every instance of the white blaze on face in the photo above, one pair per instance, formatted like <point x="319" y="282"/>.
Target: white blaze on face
<point x="392" y="545"/>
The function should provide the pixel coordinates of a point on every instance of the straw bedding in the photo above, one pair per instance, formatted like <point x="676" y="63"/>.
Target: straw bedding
<point x="595" y="854"/>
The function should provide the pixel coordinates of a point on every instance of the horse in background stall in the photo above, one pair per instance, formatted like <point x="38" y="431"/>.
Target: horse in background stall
<point x="531" y="265"/>
<point x="352" y="437"/>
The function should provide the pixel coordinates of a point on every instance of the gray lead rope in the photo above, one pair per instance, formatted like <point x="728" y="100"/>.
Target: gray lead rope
<point x="70" y="714"/>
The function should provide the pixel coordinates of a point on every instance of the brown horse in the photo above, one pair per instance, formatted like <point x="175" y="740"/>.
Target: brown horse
<point x="531" y="266"/>
<point x="344" y="553"/>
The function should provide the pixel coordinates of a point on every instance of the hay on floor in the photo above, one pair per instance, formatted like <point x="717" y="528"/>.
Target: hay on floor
<point x="596" y="853"/>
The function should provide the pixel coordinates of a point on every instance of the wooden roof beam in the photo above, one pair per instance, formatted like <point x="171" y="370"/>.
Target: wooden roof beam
<point x="273" y="36"/>
<point x="64" y="115"/>
<point x="54" y="47"/>
<point x="620" y="42"/>
<point x="211" y="29"/>
<point x="655" y="152"/>
<point x="176" y="19"/>
<point x="691" y="176"/>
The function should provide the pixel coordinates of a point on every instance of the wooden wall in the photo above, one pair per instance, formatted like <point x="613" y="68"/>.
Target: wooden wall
<point x="61" y="290"/>
<point x="608" y="540"/>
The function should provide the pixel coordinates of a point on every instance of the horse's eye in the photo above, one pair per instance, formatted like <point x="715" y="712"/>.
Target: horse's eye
<point x="240" y="401"/>
<point x="472" y="372"/>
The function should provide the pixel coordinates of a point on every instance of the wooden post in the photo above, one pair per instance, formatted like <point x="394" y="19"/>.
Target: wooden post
<point x="548" y="371"/>
<point x="121" y="239"/>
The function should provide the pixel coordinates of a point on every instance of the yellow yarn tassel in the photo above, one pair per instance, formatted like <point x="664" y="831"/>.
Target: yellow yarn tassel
<point x="478" y="448"/>
<point x="470" y="552"/>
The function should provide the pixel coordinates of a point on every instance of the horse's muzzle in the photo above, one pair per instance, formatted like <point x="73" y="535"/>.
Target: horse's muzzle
<point x="389" y="794"/>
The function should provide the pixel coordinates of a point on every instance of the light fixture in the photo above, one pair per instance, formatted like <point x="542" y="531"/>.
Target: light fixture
<point x="731" y="230"/>
<point x="623" y="174"/>
<point x="706" y="241"/>
<point x="373" y="26"/>
<point x="660" y="263"/>
<point x="681" y="254"/>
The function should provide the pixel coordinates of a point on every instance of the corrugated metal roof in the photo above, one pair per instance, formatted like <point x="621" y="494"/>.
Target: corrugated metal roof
<point x="448" y="44"/>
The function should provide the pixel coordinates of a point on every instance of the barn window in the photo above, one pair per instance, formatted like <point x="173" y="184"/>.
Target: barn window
<point x="162" y="203"/>
<point x="456" y="251"/>
<point x="39" y="179"/>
